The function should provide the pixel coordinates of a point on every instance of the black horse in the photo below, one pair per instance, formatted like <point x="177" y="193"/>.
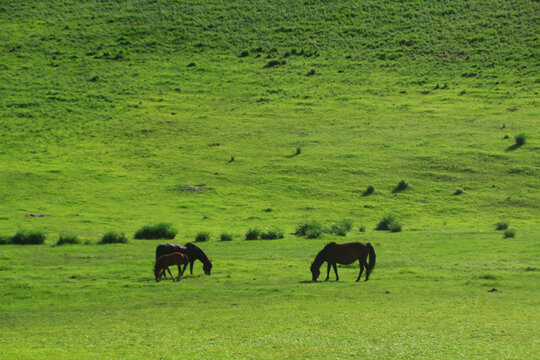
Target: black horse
<point x="192" y="251"/>
<point x="344" y="254"/>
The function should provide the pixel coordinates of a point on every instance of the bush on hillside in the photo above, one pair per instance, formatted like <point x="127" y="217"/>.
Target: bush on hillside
<point x="272" y="234"/>
<point x="502" y="224"/>
<point x="113" y="237"/>
<point x="389" y="222"/>
<point x="68" y="239"/>
<point x="202" y="236"/>
<point x="369" y="190"/>
<point x="225" y="236"/>
<point x="28" y="238"/>
<point x="253" y="234"/>
<point x="510" y="233"/>
<point x="310" y="229"/>
<point x="520" y="139"/>
<point x="401" y="186"/>
<point x="156" y="231"/>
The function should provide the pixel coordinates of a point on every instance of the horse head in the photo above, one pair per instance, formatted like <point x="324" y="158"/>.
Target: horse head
<point x="207" y="268"/>
<point x="157" y="274"/>
<point x="314" y="272"/>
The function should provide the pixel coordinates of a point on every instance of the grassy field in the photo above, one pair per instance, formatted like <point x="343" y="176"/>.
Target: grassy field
<point x="220" y="116"/>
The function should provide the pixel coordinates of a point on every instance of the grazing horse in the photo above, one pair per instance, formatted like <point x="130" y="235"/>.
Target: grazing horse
<point x="167" y="260"/>
<point x="191" y="250"/>
<point x="344" y="254"/>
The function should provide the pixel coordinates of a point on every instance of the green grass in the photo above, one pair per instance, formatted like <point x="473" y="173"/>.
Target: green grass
<point x="68" y="239"/>
<point x="117" y="114"/>
<point x="113" y="237"/>
<point x="260" y="298"/>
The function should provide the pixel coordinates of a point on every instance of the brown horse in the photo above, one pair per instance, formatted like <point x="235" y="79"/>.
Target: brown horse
<point x="165" y="261"/>
<point x="344" y="254"/>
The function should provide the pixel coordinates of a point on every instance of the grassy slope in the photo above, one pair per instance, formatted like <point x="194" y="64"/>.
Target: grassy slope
<point x="102" y="124"/>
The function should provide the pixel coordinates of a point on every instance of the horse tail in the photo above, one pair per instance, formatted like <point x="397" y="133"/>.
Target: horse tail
<point x="371" y="263"/>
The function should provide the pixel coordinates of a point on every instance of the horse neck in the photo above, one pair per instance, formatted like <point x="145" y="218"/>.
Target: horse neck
<point x="320" y="258"/>
<point x="202" y="257"/>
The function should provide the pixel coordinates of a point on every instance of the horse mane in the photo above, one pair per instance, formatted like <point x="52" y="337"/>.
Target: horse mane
<point x="200" y="254"/>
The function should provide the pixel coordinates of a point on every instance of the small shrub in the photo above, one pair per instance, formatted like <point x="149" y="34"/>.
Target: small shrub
<point x="28" y="238"/>
<point x="253" y="234"/>
<point x="520" y="139"/>
<point x="68" y="239"/>
<point x="5" y="240"/>
<point x="244" y="53"/>
<point x="225" y="236"/>
<point x="202" y="236"/>
<point x="310" y="227"/>
<point x="231" y="159"/>
<point x="274" y="63"/>
<point x="341" y="228"/>
<point x="369" y="190"/>
<point x="510" y="233"/>
<point x="272" y="234"/>
<point x="311" y="72"/>
<point x="112" y="237"/>
<point x="401" y="186"/>
<point x="394" y="227"/>
<point x="156" y="231"/>
<point x="458" y="191"/>
<point x="502" y="224"/>
<point x="298" y="150"/>
<point x="362" y="229"/>
<point x="388" y="222"/>
<point x="314" y="233"/>
<point x="191" y="64"/>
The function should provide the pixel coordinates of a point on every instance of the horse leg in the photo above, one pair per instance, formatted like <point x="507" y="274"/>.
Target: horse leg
<point x="327" y="272"/>
<point x="179" y="273"/>
<point x="335" y="270"/>
<point x="362" y="265"/>
<point x="191" y="267"/>
<point x="184" y="269"/>
<point x="169" y="270"/>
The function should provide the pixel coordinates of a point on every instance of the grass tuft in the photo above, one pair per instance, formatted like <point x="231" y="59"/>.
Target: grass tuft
<point x="502" y="224"/>
<point x="225" y="236"/>
<point x="113" y="237"/>
<point x="510" y="233"/>
<point x="369" y="190"/>
<point x="156" y="231"/>
<point x="401" y="186"/>
<point x="28" y="238"/>
<point x="389" y="222"/>
<point x="5" y="240"/>
<point x="520" y="139"/>
<point x="67" y="239"/>
<point x="272" y="234"/>
<point x="202" y="236"/>
<point x="253" y="234"/>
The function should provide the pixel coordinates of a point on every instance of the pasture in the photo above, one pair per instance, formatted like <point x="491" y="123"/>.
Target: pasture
<point x="220" y="117"/>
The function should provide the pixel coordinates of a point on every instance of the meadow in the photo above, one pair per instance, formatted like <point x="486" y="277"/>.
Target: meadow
<point x="221" y="116"/>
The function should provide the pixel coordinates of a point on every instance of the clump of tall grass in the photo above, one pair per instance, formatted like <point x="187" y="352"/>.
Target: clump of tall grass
<point x="67" y="239"/>
<point x="253" y="234"/>
<point x="202" y="236"/>
<point x="502" y="224"/>
<point x="458" y="191"/>
<point x="340" y="228"/>
<point x="28" y="238"/>
<point x="510" y="233"/>
<point x="389" y="222"/>
<point x="156" y="231"/>
<point x="311" y="229"/>
<point x="113" y="237"/>
<point x="272" y="234"/>
<point x="401" y="186"/>
<point x="369" y="190"/>
<point x="225" y="236"/>
<point x="520" y="139"/>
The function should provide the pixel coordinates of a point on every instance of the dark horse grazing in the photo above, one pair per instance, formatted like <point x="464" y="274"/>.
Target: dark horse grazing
<point x="191" y="250"/>
<point x="344" y="254"/>
<point x="164" y="261"/>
